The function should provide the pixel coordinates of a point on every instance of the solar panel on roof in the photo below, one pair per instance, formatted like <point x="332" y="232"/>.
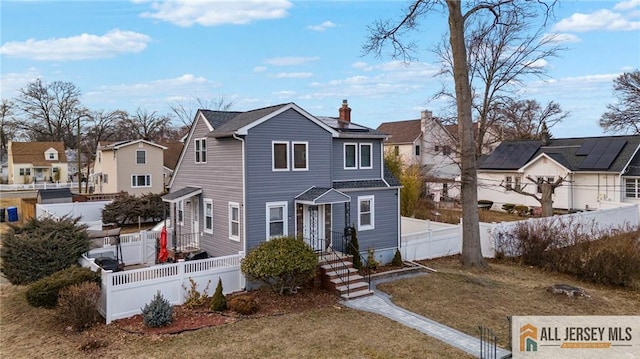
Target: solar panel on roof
<point x="511" y="155"/>
<point x="602" y="154"/>
<point x="585" y="148"/>
<point x="610" y="154"/>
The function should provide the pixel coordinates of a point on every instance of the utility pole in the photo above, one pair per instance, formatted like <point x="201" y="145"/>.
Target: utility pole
<point x="78" y="158"/>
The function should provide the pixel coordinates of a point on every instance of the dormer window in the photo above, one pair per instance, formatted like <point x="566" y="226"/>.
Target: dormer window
<point x="52" y="156"/>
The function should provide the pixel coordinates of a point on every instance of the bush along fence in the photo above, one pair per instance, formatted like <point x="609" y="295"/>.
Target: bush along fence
<point x="125" y="293"/>
<point x="422" y="239"/>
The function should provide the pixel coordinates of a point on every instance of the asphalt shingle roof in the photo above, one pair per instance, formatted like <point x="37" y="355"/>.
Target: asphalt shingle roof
<point x="401" y="131"/>
<point x="33" y="152"/>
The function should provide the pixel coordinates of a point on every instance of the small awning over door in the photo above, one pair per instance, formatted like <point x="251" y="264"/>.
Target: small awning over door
<point x="182" y="194"/>
<point x="319" y="195"/>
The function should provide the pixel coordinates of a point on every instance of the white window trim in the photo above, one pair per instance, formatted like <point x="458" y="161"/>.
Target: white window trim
<point x="141" y="174"/>
<point x="273" y="157"/>
<point x="285" y="223"/>
<point x="200" y="141"/>
<point x="359" y="162"/>
<point x="372" y="212"/>
<point x="293" y="155"/>
<point x="233" y="205"/>
<point x="205" y="202"/>
<point x="355" y="154"/>
<point x="145" y="157"/>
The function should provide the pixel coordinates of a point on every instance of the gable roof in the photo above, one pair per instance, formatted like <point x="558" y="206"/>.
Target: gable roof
<point x="587" y="154"/>
<point x="33" y="152"/>
<point x="401" y="131"/>
<point x="107" y="146"/>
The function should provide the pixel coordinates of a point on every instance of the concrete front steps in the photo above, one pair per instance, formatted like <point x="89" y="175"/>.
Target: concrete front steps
<point x="338" y="275"/>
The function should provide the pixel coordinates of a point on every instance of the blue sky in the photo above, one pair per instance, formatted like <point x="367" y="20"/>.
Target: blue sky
<point x="148" y="54"/>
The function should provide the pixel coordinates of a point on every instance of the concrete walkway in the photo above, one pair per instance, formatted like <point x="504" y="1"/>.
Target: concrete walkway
<point x="380" y="303"/>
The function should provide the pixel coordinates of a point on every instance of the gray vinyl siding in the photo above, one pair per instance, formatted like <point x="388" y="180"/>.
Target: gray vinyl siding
<point x="340" y="174"/>
<point x="385" y="233"/>
<point x="265" y="185"/>
<point x="221" y="181"/>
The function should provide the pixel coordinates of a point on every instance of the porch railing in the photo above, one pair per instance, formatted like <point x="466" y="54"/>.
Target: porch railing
<point x="333" y="248"/>
<point x="183" y="242"/>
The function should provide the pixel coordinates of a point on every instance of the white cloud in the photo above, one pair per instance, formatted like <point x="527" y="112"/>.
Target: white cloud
<point x="260" y="69"/>
<point x="153" y="95"/>
<point x="290" y="61"/>
<point x="598" y="20"/>
<point x="13" y="81"/>
<point x="322" y="27"/>
<point x="561" y="38"/>
<point x="217" y="12"/>
<point x="292" y="75"/>
<point x="85" y="46"/>
<point x="627" y="5"/>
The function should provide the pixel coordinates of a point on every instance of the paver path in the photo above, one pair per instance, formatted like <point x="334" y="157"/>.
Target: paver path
<point x="379" y="303"/>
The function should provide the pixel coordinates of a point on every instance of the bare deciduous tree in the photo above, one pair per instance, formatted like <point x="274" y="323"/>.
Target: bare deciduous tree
<point x="501" y="54"/>
<point x="384" y="32"/>
<point x="8" y="127"/>
<point x="526" y="119"/>
<point x="50" y="112"/>
<point x="184" y="112"/>
<point x="624" y="116"/>
<point x="147" y="126"/>
<point x="544" y="197"/>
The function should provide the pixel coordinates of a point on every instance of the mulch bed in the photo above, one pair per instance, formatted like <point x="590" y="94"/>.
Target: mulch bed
<point x="270" y="303"/>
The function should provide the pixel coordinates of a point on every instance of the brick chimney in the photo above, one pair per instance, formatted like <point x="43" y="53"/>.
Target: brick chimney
<point x="345" y="112"/>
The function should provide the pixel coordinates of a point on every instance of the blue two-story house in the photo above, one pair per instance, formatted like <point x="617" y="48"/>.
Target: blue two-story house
<point x="246" y="177"/>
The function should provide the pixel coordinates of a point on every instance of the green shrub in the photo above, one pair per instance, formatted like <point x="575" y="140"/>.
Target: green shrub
<point x="353" y="249"/>
<point x="397" y="259"/>
<point x="194" y="298"/>
<point x="78" y="304"/>
<point x="44" y="292"/>
<point x="244" y="304"/>
<point x="40" y="248"/>
<point x="218" y="301"/>
<point x="283" y="263"/>
<point x="372" y="263"/>
<point x="158" y="312"/>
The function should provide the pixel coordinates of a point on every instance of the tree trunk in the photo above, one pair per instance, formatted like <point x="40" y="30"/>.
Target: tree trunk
<point x="471" y="249"/>
<point x="546" y="201"/>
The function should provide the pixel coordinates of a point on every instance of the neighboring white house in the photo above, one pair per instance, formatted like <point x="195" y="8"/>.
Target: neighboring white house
<point x="428" y="142"/>
<point x="595" y="169"/>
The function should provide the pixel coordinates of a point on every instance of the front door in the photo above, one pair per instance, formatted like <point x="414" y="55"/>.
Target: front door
<point x="313" y="226"/>
<point x="195" y="222"/>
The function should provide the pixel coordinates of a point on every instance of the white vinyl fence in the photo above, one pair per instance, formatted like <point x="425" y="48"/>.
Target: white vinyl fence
<point x="90" y="213"/>
<point x="422" y="239"/>
<point x="125" y="293"/>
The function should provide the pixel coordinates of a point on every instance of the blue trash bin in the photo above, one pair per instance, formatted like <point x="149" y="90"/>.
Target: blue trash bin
<point x="12" y="214"/>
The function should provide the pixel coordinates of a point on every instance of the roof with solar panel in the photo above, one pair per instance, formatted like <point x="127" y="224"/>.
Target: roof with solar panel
<point x="589" y="154"/>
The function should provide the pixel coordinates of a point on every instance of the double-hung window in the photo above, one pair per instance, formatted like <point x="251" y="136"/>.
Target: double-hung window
<point x="365" y="213"/>
<point x="280" y="156"/>
<point x="300" y="156"/>
<point x="208" y="215"/>
<point x="141" y="157"/>
<point x="276" y="219"/>
<point x="509" y="182"/>
<point x="234" y="221"/>
<point x="140" y="181"/>
<point x="201" y="150"/>
<point x="358" y="156"/>
<point x="632" y="187"/>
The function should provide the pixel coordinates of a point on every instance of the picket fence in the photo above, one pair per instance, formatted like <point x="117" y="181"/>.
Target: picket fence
<point x="125" y="293"/>
<point x="423" y="239"/>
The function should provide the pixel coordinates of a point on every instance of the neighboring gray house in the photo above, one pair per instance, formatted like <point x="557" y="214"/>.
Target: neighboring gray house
<point x="245" y="177"/>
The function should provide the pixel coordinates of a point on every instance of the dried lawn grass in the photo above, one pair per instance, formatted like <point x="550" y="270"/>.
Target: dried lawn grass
<point x="466" y="298"/>
<point x="327" y="332"/>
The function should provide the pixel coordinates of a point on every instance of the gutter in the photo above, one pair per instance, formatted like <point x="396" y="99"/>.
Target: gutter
<point x="244" y="192"/>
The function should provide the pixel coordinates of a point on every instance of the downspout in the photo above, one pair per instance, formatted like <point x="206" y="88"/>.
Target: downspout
<point x="244" y="190"/>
